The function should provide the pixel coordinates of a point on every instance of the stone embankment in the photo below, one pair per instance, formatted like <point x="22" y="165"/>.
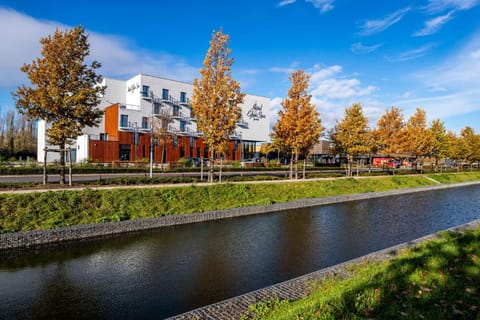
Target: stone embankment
<point x="32" y="239"/>
<point x="300" y="287"/>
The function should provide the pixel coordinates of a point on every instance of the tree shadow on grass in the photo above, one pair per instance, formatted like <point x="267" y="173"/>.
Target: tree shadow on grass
<point x="436" y="280"/>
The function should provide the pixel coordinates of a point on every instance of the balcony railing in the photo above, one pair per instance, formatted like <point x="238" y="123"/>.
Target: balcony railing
<point x="242" y="123"/>
<point x="146" y="95"/>
<point x="185" y="102"/>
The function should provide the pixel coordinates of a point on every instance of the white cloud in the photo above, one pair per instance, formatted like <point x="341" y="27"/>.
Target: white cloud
<point x="329" y="83"/>
<point x="318" y="73"/>
<point x="444" y="106"/>
<point x="475" y="54"/>
<point x="323" y="5"/>
<point x="275" y="106"/>
<point x="119" y="58"/>
<point x="451" y="87"/>
<point x="459" y="72"/>
<point x="408" y="95"/>
<point x="286" y="2"/>
<point x="359" y="48"/>
<point x="293" y="66"/>
<point x="433" y="25"/>
<point x="370" y="27"/>
<point x="281" y="70"/>
<point x="410" y="54"/>
<point x="435" y="87"/>
<point x="436" y="6"/>
<point x="331" y="92"/>
<point x="342" y="89"/>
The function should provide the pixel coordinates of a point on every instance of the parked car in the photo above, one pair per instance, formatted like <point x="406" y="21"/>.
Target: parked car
<point x="195" y="162"/>
<point x="253" y="162"/>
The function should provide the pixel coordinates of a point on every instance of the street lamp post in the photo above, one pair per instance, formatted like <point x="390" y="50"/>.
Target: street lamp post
<point x="151" y="136"/>
<point x="136" y="137"/>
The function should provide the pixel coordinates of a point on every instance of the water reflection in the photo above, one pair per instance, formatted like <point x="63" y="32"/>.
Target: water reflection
<point x="163" y="272"/>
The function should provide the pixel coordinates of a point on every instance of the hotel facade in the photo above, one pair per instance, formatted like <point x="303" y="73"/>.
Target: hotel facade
<point x="124" y="133"/>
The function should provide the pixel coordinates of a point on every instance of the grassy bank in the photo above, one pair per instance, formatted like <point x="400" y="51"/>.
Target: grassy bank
<point x="37" y="211"/>
<point x="438" y="279"/>
<point x="455" y="178"/>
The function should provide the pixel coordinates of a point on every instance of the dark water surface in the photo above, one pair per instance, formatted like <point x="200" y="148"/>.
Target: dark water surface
<point x="158" y="273"/>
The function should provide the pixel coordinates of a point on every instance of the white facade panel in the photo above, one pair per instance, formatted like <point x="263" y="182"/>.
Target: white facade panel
<point x="82" y="148"/>
<point x="256" y="120"/>
<point x="136" y="97"/>
<point x="115" y="93"/>
<point x="42" y="143"/>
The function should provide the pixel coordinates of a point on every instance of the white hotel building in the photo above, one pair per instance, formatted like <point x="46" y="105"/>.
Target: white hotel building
<point x="124" y="131"/>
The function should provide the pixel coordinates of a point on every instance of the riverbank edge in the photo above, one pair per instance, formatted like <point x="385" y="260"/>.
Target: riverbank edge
<point x="39" y="238"/>
<point x="300" y="287"/>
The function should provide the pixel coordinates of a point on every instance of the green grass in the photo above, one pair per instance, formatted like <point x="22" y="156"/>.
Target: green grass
<point x="47" y="210"/>
<point x="457" y="177"/>
<point x="438" y="279"/>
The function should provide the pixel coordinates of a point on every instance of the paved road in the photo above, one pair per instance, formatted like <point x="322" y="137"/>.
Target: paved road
<point x="97" y="176"/>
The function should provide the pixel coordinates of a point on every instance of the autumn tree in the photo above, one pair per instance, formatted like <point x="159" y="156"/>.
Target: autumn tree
<point x="351" y="135"/>
<point x="439" y="140"/>
<point x="216" y="98"/>
<point x="65" y="90"/>
<point x="470" y="144"/>
<point x="417" y="139"/>
<point x="299" y="126"/>
<point x="388" y="132"/>
<point x="162" y="132"/>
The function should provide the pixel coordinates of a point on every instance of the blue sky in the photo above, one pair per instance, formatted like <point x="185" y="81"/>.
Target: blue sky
<point x="408" y="54"/>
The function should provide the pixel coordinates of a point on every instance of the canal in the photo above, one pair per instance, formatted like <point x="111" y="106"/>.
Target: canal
<point x="159" y="273"/>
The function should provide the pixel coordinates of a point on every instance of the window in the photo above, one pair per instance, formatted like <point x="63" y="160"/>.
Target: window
<point x="182" y="126"/>
<point x="165" y="94"/>
<point x="123" y="120"/>
<point x="176" y="111"/>
<point x="124" y="152"/>
<point x="145" y="91"/>
<point x="144" y="122"/>
<point x="157" y="108"/>
<point x="103" y="137"/>
<point x="183" y="97"/>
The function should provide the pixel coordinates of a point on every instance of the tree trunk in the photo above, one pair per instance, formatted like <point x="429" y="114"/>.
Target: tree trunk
<point x="210" y="166"/>
<point x="291" y="166"/>
<point x="45" y="177"/>
<point x="304" y="165"/>
<point x="62" y="163"/>
<point x="296" y="165"/>
<point x="349" y="165"/>
<point x="220" y="173"/>
<point x="70" y="177"/>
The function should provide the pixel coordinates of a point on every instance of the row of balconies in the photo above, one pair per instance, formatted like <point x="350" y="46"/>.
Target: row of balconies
<point x="148" y="95"/>
<point x="184" y="101"/>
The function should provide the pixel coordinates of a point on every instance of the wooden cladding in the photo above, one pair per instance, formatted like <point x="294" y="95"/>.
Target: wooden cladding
<point x="111" y="121"/>
<point x="125" y="149"/>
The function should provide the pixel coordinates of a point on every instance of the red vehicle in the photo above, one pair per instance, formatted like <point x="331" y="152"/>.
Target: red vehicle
<point x="385" y="162"/>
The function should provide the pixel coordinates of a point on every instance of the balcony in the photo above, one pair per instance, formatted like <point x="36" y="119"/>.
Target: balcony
<point x="146" y="95"/>
<point x="242" y="123"/>
<point x="236" y="135"/>
<point x="170" y="100"/>
<point x="185" y="102"/>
